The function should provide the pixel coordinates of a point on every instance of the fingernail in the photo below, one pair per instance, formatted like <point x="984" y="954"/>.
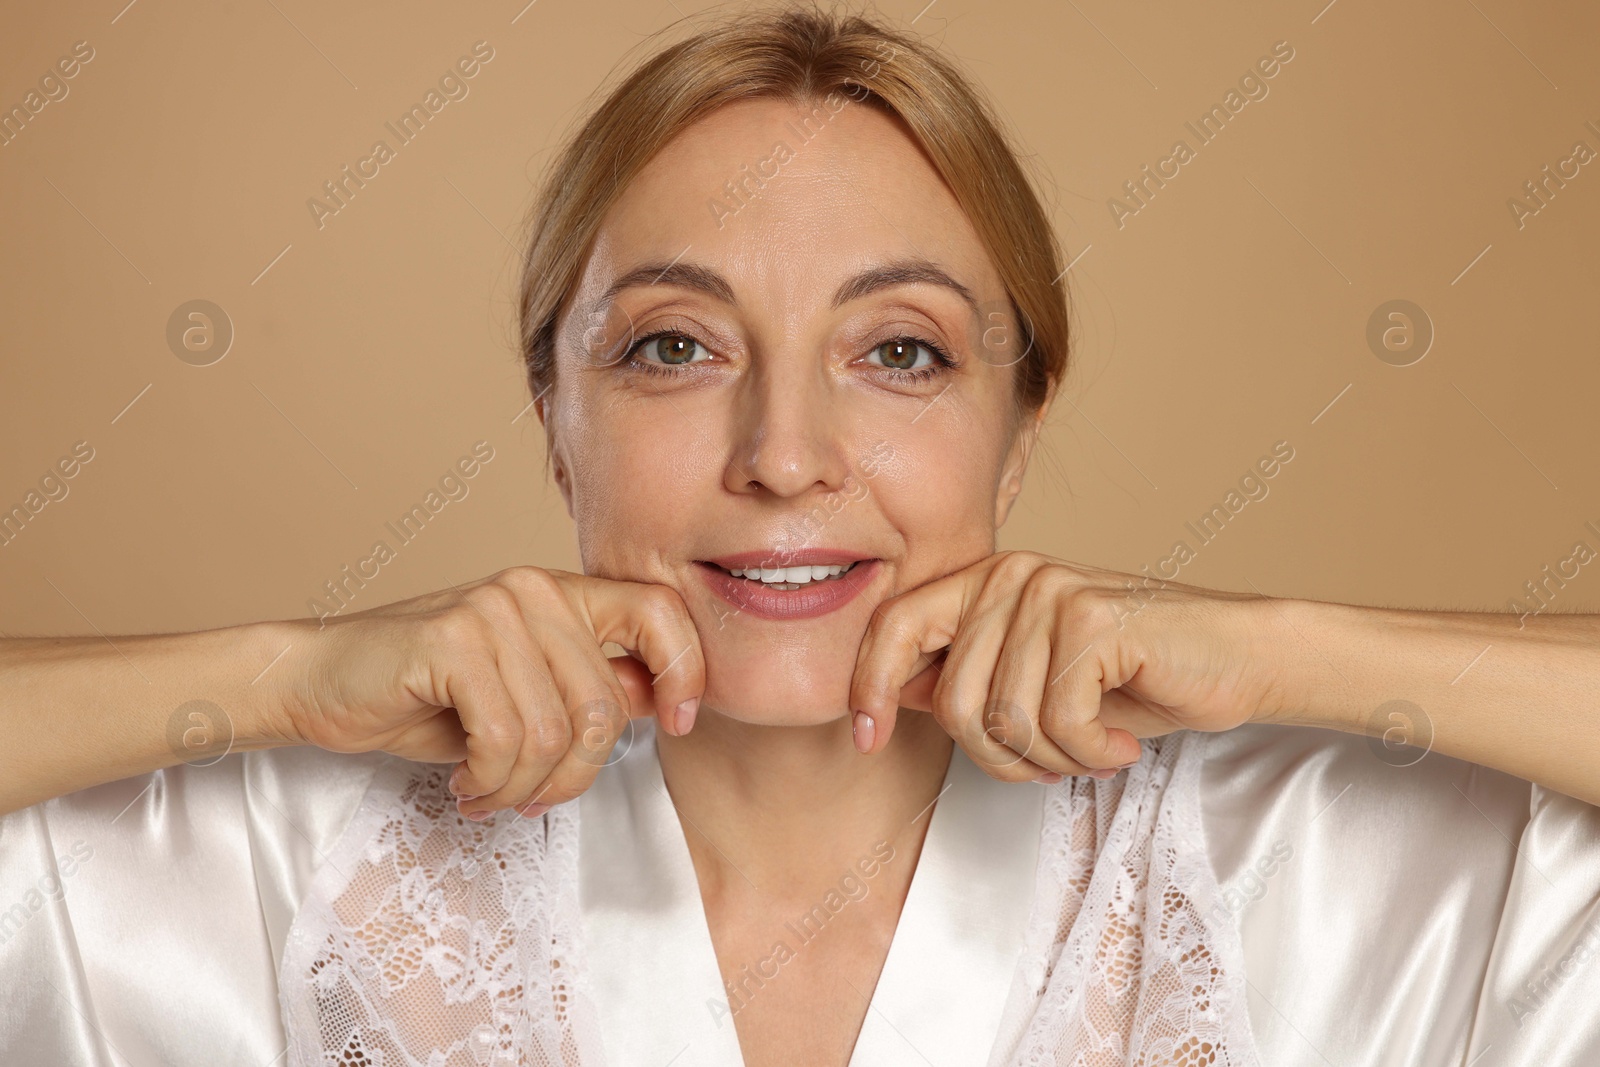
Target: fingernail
<point x="1107" y="773"/>
<point x="479" y="816"/>
<point x="1125" y="766"/>
<point x="455" y="780"/>
<point x="684" y="716"/>
<point x="533" y="811"/>
<point x="1048" y="778"/>
<point x="862" y="728"/>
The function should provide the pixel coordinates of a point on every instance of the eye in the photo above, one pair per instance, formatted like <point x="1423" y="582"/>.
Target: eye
<point x="669" y="349"/>
<point x="907" y="354"/>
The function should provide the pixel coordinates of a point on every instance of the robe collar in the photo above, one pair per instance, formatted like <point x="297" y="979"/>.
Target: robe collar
<point x="652" y="972"/>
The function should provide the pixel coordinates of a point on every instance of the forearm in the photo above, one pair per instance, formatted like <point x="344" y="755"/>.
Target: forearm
<point x="78" y="711"/>
<point x="1524" y="699"/>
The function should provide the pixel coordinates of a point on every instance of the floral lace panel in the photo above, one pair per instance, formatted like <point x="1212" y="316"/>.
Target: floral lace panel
<point x="436" y="941"/>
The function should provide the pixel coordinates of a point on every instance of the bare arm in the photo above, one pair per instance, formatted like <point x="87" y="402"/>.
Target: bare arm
<point x="1485" y="687"/>
<point x="78" y="711"/>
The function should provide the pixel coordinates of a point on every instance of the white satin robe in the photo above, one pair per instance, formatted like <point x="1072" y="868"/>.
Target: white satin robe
<point x="1439" y="913"/>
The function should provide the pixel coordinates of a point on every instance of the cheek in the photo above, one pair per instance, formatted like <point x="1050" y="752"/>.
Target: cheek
<point x="939" y="493"/>
<point x="638" y="483"/>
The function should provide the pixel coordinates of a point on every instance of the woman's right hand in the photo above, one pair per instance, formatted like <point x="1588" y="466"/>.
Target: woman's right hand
<point x="506" y="673"/>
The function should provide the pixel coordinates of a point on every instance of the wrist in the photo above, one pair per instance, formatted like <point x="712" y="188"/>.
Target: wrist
<point x="1302" y="649"/>
<point x="247" y="668"/>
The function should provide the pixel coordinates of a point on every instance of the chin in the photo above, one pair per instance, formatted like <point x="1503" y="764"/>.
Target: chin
<point x="766" y="712"/>
<point x="800" y="682"/>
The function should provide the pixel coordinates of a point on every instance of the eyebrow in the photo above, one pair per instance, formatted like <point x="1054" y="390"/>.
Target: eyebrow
<point x="703" y="279"/>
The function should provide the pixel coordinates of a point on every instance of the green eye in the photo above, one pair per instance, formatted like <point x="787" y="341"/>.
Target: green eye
<point x="902" y="353"/>
<point x="672" y="349"/>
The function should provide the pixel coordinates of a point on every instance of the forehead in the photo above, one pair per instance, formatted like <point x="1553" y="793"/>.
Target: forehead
<point x="786" y="200"/>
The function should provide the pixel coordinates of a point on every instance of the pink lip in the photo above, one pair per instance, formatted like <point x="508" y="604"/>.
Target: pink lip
<point x="807" y="602"/>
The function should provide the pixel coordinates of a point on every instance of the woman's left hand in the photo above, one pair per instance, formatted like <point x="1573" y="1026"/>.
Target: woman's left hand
<point x="1057" y="667"/>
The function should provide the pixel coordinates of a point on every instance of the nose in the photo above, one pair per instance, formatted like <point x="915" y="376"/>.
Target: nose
<point x="789" y="431"/>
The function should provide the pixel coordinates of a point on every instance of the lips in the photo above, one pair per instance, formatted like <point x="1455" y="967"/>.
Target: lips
<point x="799" y="584"/>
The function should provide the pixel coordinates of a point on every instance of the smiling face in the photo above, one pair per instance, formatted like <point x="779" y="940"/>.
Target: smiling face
<point x="784" y="378"/>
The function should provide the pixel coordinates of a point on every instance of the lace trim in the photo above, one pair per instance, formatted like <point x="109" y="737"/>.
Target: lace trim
<point x="428" y="940"/>
<point x="1128" y="962"/>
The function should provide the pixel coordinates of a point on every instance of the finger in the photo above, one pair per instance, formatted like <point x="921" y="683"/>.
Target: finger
<point x="491" y="720"/>
<point x="901" y="636"/>
<point x="1016" y="692"/>
<point x="546" y="723"/>
<point x="1073" y="693"/>
<point x="653" y="620"/>
<point x="598" y="706"/>
<point x="996" y="736"/>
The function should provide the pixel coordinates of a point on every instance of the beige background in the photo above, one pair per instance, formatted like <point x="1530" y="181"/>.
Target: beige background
<point x="1228" y="314"/>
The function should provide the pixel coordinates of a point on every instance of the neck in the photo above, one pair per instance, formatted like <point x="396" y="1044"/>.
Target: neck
<point x="778" y="803"/>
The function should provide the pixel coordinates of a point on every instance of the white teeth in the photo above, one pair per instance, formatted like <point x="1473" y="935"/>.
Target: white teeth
<point x="792" y="577"/>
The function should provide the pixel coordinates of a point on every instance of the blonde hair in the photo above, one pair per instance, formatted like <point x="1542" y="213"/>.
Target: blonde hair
<point x="803" y="55"/>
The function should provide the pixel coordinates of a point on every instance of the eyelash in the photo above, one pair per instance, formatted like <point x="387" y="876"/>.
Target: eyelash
<point x="942" y="361"/>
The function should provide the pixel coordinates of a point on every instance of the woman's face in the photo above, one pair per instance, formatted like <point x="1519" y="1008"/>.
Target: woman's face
<point x="749" y="377"/>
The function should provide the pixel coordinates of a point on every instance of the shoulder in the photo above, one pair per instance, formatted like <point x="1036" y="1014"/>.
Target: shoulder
<point x="1362" y="877"/>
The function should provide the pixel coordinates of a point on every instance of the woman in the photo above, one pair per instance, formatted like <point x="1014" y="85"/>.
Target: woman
<point x="793" y="319"/>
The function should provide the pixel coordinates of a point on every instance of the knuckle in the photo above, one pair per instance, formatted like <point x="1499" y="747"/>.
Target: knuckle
<point x="948" y="712"/>
<point x="494" y="601"/>
<point x="1056" y="721"/>
<point x="548" y="738"/>
<point x="500" y="733"/>
<point x="529" y="583"/>
<point x="458" y="629"/>
<point x="664" y="606"/>
<point x="1018" y="565"/>
<point x="1086" y="609"/>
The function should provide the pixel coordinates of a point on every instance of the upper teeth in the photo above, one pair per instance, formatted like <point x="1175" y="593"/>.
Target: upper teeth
<point x="791" y="575"/>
